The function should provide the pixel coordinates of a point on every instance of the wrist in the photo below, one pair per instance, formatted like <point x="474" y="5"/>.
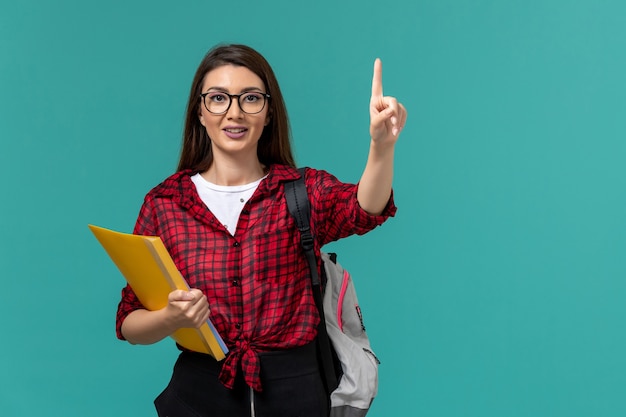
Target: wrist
<point x="381" y="150"/>
<point x="170" y="320"/>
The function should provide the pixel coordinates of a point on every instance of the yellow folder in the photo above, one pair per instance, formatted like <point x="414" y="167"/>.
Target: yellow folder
<point x="152" y="274"/>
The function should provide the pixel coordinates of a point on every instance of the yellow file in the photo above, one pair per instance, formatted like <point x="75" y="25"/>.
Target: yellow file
<point x="152" y="274"/>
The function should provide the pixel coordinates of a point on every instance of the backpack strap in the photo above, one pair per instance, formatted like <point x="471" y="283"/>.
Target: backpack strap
<point x="300" y="209"/>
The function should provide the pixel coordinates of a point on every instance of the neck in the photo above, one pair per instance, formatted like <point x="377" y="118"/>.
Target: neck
<point x="225" y="172"/>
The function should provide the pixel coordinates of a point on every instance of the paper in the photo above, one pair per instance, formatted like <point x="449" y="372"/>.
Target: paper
<point x="152" y="274"/>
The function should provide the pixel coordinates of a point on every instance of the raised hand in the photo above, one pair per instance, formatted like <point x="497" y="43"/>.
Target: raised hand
<point x="387" y="115"/>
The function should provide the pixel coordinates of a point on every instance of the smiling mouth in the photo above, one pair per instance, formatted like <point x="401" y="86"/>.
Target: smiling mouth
<point x="235" y="130"/>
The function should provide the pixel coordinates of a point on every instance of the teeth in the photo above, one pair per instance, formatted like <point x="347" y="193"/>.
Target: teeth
<point x="235" y="130"/>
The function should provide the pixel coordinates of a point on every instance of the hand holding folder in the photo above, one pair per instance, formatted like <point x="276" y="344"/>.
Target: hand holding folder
<point x="152" y="274"/>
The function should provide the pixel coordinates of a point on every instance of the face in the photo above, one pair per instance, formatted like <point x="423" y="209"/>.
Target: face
<point x="234" y="132"/>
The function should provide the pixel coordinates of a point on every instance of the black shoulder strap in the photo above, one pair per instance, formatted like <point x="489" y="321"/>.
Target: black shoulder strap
<point x="300" y="209"/>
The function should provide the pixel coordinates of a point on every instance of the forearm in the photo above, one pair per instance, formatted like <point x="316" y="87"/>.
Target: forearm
<point x="145" y="327"/>
<point x="375" y="184"/>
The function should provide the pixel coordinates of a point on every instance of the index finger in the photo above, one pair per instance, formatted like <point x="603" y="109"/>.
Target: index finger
<point x="180" y="295"/>
<point x="377" y="80"/>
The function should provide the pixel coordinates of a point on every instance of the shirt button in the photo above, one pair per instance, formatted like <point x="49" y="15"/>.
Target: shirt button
<point x="236" y="244"/>
<point x="237" y="326"/>
<point x="235" y="283"/>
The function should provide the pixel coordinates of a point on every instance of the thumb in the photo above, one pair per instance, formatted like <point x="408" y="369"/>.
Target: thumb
<point x="379" y="119"/>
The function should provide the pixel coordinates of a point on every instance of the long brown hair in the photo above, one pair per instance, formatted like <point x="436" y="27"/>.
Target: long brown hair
<point x="275" y="142"/>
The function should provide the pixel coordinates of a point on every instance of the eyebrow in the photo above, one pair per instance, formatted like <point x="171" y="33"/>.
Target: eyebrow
<point x="225" y="90"/>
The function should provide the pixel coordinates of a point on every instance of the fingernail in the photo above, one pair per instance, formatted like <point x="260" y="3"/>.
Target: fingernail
<point x="394" y="131"/>
<point x="394" y="120"/>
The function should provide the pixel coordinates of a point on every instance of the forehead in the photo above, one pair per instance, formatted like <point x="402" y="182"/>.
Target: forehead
<point x="231" y="78"/>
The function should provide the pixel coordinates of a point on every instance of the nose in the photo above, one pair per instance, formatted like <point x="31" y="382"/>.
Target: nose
<point x="234" y="111"/>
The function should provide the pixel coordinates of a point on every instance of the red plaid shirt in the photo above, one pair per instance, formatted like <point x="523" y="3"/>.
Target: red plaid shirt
<point x="257" y="281"/>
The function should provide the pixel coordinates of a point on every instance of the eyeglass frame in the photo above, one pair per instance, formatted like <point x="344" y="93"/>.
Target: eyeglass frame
<point x="230" y="98"/>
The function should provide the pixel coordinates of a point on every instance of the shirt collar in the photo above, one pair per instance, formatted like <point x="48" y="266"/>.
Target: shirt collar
<point x="181" y="189"/>
<point x="276" y="176"/>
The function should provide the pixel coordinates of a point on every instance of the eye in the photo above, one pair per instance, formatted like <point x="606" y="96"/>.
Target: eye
<point x="252" y="97"/>
<point x="217" y="97"/>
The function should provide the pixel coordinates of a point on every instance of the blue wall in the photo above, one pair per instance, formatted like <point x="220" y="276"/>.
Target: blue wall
<point x="498" y="289"/>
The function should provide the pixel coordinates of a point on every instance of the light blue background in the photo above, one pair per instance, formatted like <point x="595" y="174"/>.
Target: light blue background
<point x="498" y="289"/>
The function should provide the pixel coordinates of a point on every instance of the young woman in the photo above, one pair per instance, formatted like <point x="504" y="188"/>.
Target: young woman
<point x="224" y="219"/>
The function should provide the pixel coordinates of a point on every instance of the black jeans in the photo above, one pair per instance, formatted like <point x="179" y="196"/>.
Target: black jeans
<point x="292" y="387"/>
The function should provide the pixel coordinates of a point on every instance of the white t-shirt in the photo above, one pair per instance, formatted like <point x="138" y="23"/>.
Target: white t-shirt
<point x="225" y="202"/>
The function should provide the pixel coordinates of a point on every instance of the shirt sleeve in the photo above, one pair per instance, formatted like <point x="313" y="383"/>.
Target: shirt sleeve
<point x="129" y="301"/>
<point x="335" y="209"/>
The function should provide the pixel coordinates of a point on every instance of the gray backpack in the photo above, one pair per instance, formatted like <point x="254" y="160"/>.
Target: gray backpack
<point x="349" y="365"/>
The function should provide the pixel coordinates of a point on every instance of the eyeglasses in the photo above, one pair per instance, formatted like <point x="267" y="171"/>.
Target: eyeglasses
<point x="218" y="102"/>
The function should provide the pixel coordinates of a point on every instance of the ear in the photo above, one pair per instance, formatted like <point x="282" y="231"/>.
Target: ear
<point x="201" y="118"/>
<point x="268" y="118"/>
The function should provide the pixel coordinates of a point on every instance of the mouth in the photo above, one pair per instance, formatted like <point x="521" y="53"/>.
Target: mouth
<point x="235" y="132"/>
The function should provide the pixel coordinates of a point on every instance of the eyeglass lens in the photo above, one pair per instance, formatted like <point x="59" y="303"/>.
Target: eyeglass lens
<point x="218" y="102"/>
